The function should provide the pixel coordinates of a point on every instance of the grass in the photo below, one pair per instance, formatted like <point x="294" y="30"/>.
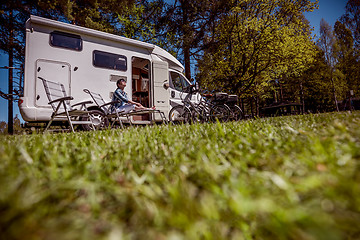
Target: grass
<point x="291" y="177"/>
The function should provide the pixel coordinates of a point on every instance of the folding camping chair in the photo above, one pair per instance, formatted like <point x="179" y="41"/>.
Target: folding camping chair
<point x="106" y="108"/>
<point x="59" y="100"/>
<point x="113" y="117"/>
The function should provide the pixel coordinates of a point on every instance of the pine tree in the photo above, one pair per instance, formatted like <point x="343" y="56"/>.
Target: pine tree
<point x="190" y="22"/>
<point x="13" y="14"/>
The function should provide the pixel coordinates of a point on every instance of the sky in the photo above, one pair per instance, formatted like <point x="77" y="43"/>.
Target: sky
<point x="329" y="10"/>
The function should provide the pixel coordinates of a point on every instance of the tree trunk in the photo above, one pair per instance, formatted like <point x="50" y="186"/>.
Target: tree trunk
<point x="334" y="91"/>
<point x="242" y="106"/>
<point x="10" y="89"/>
<point x="251" y="107"/>
<point x="187" y="62"/>
<point x="281" y="92"/>
<point x="187" y="33"/>
<point x="302" y="97"/>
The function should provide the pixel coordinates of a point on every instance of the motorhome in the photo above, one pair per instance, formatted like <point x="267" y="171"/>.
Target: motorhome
<point x="80" y="57"/>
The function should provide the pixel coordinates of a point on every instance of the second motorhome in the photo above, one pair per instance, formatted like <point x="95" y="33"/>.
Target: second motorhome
<point x="81" y="58"/>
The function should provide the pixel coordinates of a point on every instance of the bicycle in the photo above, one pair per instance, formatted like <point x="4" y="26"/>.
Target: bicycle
<point x="207" y="109"/>
<point x="236" y="112"/>
<point x="220" y="110"/>
<point x="184" y="113"/>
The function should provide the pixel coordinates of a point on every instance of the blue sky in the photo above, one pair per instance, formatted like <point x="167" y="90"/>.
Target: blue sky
<point x="329" y="10"/>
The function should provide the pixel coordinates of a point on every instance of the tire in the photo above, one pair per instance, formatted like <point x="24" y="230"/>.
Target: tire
<point x="180" y="114"/>
<point x="98" y="119"/>
<point x="236" y="113"/>
<point x="196" y="117"/>
<point x="199" y="116"/>
<point x="206" y="113"/>
<point x="219" y="112"/>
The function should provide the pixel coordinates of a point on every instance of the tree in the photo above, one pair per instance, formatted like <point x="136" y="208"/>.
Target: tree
<point x="352" y="20"/>
<point x="256" y="42"/>
<point x="346" y="56"/>
<point x="190" y="21"/>
<point x="17" y="126"/>
<point x="13" y="13"/>
<point x="327" y="44"/>
<point x="317" y="91"/>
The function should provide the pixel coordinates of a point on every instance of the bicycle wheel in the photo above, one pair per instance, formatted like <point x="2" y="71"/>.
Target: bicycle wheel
<point x="236" y="113"/>
<point x="220" y="112"/>
<point x="198" y="115"/>
<point x="206" y="113"/>
<point x="180" y="114"/>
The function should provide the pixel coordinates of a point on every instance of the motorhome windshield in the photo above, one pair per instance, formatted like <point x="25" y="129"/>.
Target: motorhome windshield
<point x="177" y="81"/>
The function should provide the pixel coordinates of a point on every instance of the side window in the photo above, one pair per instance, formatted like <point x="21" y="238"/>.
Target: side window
<point x="109" y="60"/>
<point x="66" y="40"/>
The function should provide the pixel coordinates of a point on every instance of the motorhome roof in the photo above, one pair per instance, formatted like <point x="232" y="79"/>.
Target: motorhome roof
<point x="82" y="30"/>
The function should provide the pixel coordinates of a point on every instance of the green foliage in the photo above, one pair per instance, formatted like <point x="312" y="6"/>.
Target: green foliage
<point x="16" y="126"/>
<point x="346" y="56"/>
<point x="317" y="85"/>
<point x="12" y="41"/>
<point x="276" y="178"/>
<point x="139" y="21"/>
<point x="341" y="58"/>
<point x="258" y="41"/>
<point x="191" y="23"/>
<point x="351" y="19"/>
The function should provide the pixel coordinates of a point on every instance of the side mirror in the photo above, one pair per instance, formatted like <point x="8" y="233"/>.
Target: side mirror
<point x="166" y="85"/>
<point x="197" y="87"/>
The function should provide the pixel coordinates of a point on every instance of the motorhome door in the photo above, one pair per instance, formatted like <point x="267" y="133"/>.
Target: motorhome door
<point x="52" y="71"/>
<point x="161" y="95"/>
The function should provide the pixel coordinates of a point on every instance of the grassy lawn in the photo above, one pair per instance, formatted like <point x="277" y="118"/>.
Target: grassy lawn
<point x="291" y="177"/>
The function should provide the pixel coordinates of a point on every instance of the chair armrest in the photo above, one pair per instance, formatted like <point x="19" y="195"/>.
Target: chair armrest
<point x="82" y="103"/>
<point x="61" y="99"/>
<point x="109" y="103"/>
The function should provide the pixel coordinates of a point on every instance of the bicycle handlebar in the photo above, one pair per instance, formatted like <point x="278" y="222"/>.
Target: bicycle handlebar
<point x="190" y="88"/>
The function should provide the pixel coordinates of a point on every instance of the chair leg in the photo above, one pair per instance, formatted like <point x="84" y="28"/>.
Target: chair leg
<point x="108" y="121"/>
<point x="129" y="119"/>
<point x="48" y="125"/>
<point x="163" y="117"/>
<point x="69" y="119"/>
<point x="120" y="122"/>
<point x="53" y="116"/>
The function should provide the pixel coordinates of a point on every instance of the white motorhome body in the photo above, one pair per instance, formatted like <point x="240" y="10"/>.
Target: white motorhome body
<point x="82" y="58"/>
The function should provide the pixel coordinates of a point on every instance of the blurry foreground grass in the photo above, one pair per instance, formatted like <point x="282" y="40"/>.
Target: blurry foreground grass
<point x="277" y="178"/>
